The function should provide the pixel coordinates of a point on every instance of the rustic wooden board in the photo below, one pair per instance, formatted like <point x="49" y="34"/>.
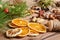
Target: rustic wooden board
<point x="46" y="36"/>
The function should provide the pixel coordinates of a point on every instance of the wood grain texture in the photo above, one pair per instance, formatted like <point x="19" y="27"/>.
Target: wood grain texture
<point x="45" y="36"/>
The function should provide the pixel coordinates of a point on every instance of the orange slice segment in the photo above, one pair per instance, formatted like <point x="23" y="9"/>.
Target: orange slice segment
<point x="37" y="27"/>
<point x="25" y="31"/>
<point x="13" y="32"/>
<point x="33" y="33"/>
<point x="19" y="22"/>
<point x="12" y="25"/>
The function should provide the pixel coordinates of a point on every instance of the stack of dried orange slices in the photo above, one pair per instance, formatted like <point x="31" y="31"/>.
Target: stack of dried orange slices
<point x="16" y="23"/>
<point x="22" y="28"/>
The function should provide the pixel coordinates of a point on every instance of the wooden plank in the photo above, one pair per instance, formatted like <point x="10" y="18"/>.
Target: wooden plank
<point x="45" y="36"/>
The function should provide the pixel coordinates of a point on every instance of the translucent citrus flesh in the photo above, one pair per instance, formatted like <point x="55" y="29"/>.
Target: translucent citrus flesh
<point x="25" y="31"/>
<point x="12" y="25"/>
<point x="19" y="22"/>
<point x="36" y="26"/>
<point x="33" y="31"/>
<point x="33" y="28"/>
<point x="23" y="22"/>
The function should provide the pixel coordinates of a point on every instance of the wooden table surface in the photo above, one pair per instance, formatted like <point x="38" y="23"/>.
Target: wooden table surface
<point x="45" y="36"/>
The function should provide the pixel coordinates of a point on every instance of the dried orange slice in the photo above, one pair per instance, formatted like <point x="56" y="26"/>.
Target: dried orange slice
<point x="37" y="27"/>
<point x="33" y="33"/>
<point x="12" y="25"/>
<point x="19" y="22"/>
<point x="13" y="32"/>
<point x="25" y="31"/>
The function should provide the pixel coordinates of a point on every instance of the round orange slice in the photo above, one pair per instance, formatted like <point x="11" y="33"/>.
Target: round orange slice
<point x="33" y="33"/>
<point x="12" y="25"/>
<point x="25" y="31"/>
<point x="19" y="22"/>
<point x="37" y="27"/>
<point x="13" y="32"/>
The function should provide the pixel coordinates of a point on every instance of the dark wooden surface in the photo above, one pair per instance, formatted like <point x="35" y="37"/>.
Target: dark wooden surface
<point x="45" y="36"/>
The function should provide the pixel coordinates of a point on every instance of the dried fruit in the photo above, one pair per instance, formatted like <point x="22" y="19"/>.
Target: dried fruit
<point x="13" y="32"/>
<point x="12" y="25"/>
<point x="25" y="31"/>
<point x="37" y="27"/>
<point x="19" y="22"/>
<point x="33" y="33"/>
